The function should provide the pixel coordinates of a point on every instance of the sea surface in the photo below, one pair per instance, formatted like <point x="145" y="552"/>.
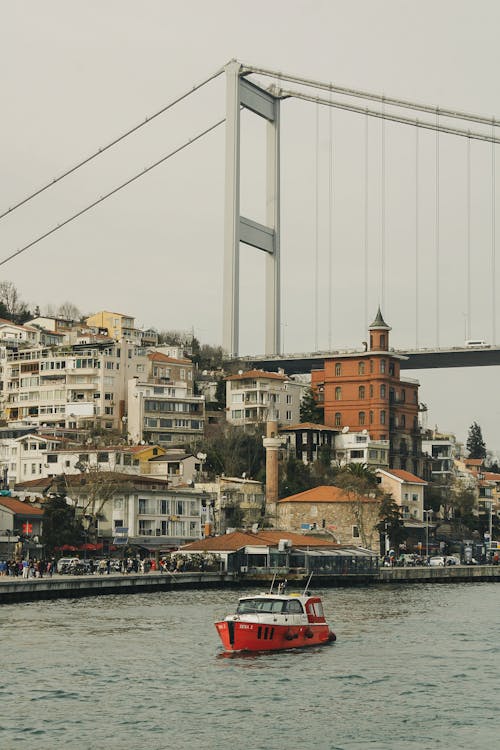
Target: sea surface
<point x="413" y="667"/>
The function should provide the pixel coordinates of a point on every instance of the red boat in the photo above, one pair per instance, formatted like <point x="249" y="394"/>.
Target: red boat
<point x="275" y="622"/>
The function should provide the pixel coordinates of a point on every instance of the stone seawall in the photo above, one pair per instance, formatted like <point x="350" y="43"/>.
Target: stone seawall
<point x="72" y="587"/>
<point x="454" y="573"/>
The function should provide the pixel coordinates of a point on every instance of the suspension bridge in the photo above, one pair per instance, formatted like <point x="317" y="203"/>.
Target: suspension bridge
<point x="398" y="208"/>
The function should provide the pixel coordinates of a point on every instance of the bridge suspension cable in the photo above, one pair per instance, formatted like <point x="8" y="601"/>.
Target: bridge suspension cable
<point x="109" y="145"/>
<point x="115" y="190"/>
<point x="382" y="98"/>
<point x="425" y="124"/>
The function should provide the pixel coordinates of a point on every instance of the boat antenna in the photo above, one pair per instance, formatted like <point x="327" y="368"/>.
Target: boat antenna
<point x="307" y="584"/>
<point x="272" y="584"/>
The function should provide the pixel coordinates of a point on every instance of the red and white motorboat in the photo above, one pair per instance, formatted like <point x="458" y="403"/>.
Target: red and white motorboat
<point x="275" y="622"/>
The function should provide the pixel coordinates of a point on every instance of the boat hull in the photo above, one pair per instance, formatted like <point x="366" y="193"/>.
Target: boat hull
<point x="237" y="635"/>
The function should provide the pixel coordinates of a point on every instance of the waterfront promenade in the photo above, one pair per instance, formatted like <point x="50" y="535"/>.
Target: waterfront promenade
<point x="69" y="587"/>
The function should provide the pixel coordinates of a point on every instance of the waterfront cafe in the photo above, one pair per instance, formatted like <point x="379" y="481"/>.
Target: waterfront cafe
<point x="271" y="551"/>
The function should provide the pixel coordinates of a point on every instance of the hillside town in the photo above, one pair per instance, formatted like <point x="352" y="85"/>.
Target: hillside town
<point x="117" y="443"/>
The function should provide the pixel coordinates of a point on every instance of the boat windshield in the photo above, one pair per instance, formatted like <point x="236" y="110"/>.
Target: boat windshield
<point x="268" y="605"/>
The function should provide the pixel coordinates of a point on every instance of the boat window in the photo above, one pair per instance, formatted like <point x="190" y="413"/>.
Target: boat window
<point x="293" y="607"/>
<point x="260" y="605"/>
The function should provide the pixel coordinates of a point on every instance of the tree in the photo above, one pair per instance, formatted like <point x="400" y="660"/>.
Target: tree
<point x="9" y="297"/>
<point x="359" y="483"/>
<point x="235" y="450"/>
<point x="69" y="311"/>
<point x="295" y="477"/>
<point x="391" y="522"/>
<point x="15" y="309"/>
<point x="92" y="490"/>
<point x="220" y="394"/>
<point x="60" y="525"/>
<point x="475" y="443"/>
<point x="310" y="411"/>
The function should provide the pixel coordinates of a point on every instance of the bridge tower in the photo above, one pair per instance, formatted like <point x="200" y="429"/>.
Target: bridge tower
<point x="241" y="93"/>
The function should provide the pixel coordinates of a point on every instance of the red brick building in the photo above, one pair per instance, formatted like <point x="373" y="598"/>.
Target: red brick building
<point x="364" y="391"/>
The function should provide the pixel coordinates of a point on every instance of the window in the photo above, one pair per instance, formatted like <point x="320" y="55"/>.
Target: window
<point x="370" y="417"/>
<point x="361" y="368"/>
<point x="361" y="417"/>
<point x="382" y="365"/>
<point x="382" y="391"/>
<point x="338" y="369"/>
<point x="403" y="420"/>
<point x="338" y="393"/>
<point x="355" y="532"/>
<point x="51" y="458"/>
<point x="371" y="391"/>
<point x="338" y="419"/>
<point x="357" y="454"/>
<point x="382" y="417"/>
<point x="102" y="457"/>
<point x="371" y="365"/>
<point x="382" y="340"/>
<point x="361" y="391"/>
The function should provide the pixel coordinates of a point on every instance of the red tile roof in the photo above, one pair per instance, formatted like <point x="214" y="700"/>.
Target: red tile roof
<point x="404" y="476"/>
<point x="20" y="508"/>
<point x="160" y="357"/>
<point x="491" y="476"/>
<point x="265" y="538"/>
<point x="325" y="493"/>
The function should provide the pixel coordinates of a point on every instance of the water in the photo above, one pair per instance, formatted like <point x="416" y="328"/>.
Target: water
<point x="414" y="666"/>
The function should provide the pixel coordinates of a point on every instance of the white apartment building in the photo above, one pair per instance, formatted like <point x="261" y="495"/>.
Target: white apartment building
<point x="251" y="395"/>
<point x="72" y="385"/>
<point x="358" y="448"/>
<point x="166" y="413"/>
<point x="143" y="510"/>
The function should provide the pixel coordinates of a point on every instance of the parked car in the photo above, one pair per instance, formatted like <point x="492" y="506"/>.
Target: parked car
<point x="437" y="562"/>
<point x="452" y="560"/>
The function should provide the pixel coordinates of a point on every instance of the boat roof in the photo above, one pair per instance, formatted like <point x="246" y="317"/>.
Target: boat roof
<point x="284" y="597"/>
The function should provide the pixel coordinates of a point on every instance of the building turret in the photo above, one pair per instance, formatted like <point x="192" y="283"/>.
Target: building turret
<point x="379" y="334"/>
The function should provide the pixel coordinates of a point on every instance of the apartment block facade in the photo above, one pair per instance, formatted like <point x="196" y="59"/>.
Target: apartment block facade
<point x="71" y="385"/>
<point x="251" y="395"/>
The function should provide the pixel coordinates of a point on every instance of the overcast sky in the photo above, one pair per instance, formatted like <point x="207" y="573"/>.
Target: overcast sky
<point x="78" y="73"/>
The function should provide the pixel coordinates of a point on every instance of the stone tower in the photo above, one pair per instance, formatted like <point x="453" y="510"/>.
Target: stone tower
<point x="272" y="444"/>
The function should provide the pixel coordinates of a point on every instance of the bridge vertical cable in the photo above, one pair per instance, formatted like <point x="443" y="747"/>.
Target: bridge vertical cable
<point x="382" y="209"/>
<point x="330" y="228"/>
<point x="417" y="237"/>
<point x="316" y="238"/>
<point x="366" y="321"/>
<point x="493" y="238"/>
<point x="436" y="228"/>
<point x="467" y="259"/>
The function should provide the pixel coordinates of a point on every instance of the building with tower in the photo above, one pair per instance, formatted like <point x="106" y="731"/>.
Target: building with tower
<point x="365" y="391"/>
